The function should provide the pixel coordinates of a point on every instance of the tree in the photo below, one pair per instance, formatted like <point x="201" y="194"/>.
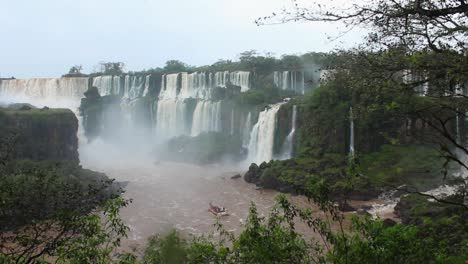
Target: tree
<point x="291" y="62"/>
<point x="417" y="46"/>
<point x="50" y="210"/>
<point x="417" y="24"/>
<point x="173" y="66"/>
<point x="112" y="68"/>
<point x="76" y="70"/>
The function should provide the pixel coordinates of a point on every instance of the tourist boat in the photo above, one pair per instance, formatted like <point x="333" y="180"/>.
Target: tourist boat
<point x="217" y="210"/>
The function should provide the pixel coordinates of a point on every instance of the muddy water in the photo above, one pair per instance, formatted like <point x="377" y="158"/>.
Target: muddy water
<point x="174" y="195"/>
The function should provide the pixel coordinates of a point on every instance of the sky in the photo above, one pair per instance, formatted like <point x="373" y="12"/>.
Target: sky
<point x="44" y="38"/>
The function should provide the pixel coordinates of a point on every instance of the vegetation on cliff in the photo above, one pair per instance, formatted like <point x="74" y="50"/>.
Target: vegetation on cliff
<point x="46" y="199"/>
<point x="41" y="134"/>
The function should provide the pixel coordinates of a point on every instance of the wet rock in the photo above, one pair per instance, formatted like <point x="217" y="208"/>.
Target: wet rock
<point x="253" y="174"/>
<point x="400" y="191"/>
<point x="362" y="211"/>
<point x="366" y="207"/>
<point x="237" y="176"/>
<point x="389" y="222"/>
<point x="346" y="207"/>
<point x="21" y="106"/>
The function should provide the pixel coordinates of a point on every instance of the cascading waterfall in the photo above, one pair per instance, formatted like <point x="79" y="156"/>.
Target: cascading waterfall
<point x="50" y="88"/>
<point x="246" y="130"/>
<point x="169" y="86"/>
<point x="171" y="118"/>
<point x="232" y="122"/>
<point x="351" y="132"/>
<point x="289" y="80"/>
<point x="206" y="117"/>
<point x="52" y="92"/>
<point x="221" y="79"/>
<point x="175" y="113"/>
<point x="147" y="85"/>
<point x="134" y="86"/>
<point x="195" y="85"/>
<point x="171" y="111"/>
<point x="240" y="78"/>
<point x="288" y="145"/>
<point x="107" y="85"/>
<point x="262" y="137"/>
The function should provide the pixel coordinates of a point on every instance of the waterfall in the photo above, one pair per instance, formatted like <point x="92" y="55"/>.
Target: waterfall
<point x="351" y="132"/>
<point x="240" y="78"/>
<point x="262" y="137"/>
<point x="51" y="88"/>
<point x="289" y="80"/>
<point x="171" y="118"/>
<point x="133" y="87"/>
<point x="107" y="85"/>
<point x="410" y="77"/>
<point x="206" y="117"/>
<point x="288" y="145"/>
<point x="171" y="111"/>
<point x="169" y="86"/>
<point x="147" y="85"/>
<point x="221" y="79"/>
<point x="195" y="85"/>
<point x="246" y="130"/>
<point x="232" y="121"/>
<point x="53" y="92"/>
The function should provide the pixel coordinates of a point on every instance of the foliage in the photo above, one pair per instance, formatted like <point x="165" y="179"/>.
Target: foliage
<point x="32" y="191"/>
<point x="261" y="97"/>
<point x="373" y="242"/>
<point x="75" y="71"/>
<point x="416" y="165"/>
<point x="327" y="176"/>
<point x="68" y="238"/>
<point x="112" y="68"/>
<point x="272" y="240"/>
<point x="432" y="24"/>
<point x="168" y="249"/>
<point x="276" y="240"/>
<point x="47" y="211"/>
<point x="173" y="66"/>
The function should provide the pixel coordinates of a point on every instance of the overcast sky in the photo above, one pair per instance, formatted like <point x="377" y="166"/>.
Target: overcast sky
<point x="43" y="38"/>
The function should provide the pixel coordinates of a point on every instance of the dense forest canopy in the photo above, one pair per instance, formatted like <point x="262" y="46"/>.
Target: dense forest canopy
<point x="248" y="61"/>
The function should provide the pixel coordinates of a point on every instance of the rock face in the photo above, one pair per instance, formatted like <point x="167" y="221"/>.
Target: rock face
<point x="40" y="134"/>
<point x="101" y="114"/>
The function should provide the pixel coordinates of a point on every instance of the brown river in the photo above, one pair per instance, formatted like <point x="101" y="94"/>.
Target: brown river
<point x="170" y="196"/>
<point x="175" y="195"/>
